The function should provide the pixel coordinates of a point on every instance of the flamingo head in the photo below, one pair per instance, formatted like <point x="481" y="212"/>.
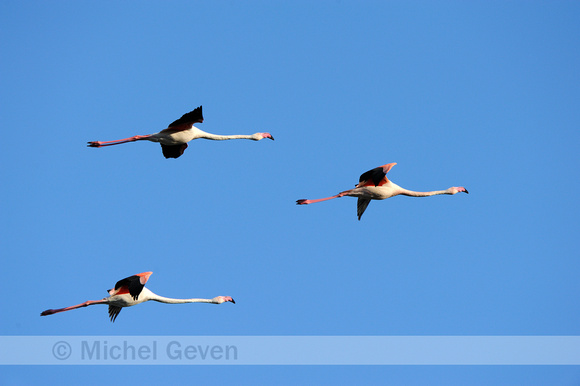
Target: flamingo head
<point x="222" y="299"/>
<point x="259" y="136"/>
<point x="457" y="189"/>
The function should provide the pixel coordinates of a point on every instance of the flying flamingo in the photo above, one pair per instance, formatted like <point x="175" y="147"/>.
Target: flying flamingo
<point x="131" y="291"/>
<point x="374" y="185"/>
<point x="174" y="139"/>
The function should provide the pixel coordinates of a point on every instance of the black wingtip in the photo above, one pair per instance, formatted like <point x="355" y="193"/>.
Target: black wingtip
<point x="200" y="115"/>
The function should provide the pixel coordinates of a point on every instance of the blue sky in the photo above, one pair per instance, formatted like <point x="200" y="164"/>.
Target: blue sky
<point x="478" y="94"/>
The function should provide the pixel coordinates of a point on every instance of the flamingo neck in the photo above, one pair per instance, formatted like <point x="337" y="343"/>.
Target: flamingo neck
<point x="217" y="137"/>
<point x="163" y="299"/>
<point x="412" y="193"/>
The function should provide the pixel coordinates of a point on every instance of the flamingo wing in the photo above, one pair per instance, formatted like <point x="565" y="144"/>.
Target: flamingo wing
<point x="186" y="121"/>
<point x="114" y="312"/>
<point x="375" y="176"/>
<point x="132" y="284"/>
<point x="361" y="206"/>
<point x="173" y="151"/>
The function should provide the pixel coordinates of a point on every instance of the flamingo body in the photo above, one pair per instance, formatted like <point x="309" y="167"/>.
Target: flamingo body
<point x="374" y="185"/>
<point x="130" y="292"/>
<point x="175" y="137"/>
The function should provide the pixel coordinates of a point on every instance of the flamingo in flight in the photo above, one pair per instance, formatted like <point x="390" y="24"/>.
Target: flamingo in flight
<point x="174" y="139"/>
<point x="131" y="291"/>
<point x="374" y="185"/>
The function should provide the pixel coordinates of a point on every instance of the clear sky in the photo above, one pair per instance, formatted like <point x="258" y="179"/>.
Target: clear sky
<point x="481" y="94"/>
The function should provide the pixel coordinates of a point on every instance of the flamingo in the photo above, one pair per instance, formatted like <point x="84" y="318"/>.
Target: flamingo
<point x="131" y="291"/>
<point x="374" y="185"/>
<point x="174" y="139"/>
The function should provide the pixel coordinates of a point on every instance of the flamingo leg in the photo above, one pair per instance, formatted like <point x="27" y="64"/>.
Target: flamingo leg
<point x="306" y="202"/>
<point x="85" y="304"/>
<point x="117" y="142"/>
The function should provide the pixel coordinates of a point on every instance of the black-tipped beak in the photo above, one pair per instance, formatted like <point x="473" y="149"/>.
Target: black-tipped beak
<point x="271" y="137"/>
<point x="233" y="301"/>
<point x="466" y="191"/>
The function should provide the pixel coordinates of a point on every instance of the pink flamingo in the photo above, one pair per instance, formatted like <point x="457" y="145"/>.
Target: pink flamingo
<point x="131" y="291"/>
<point x="374" y="185"/>
<point x="174" y="139"/>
